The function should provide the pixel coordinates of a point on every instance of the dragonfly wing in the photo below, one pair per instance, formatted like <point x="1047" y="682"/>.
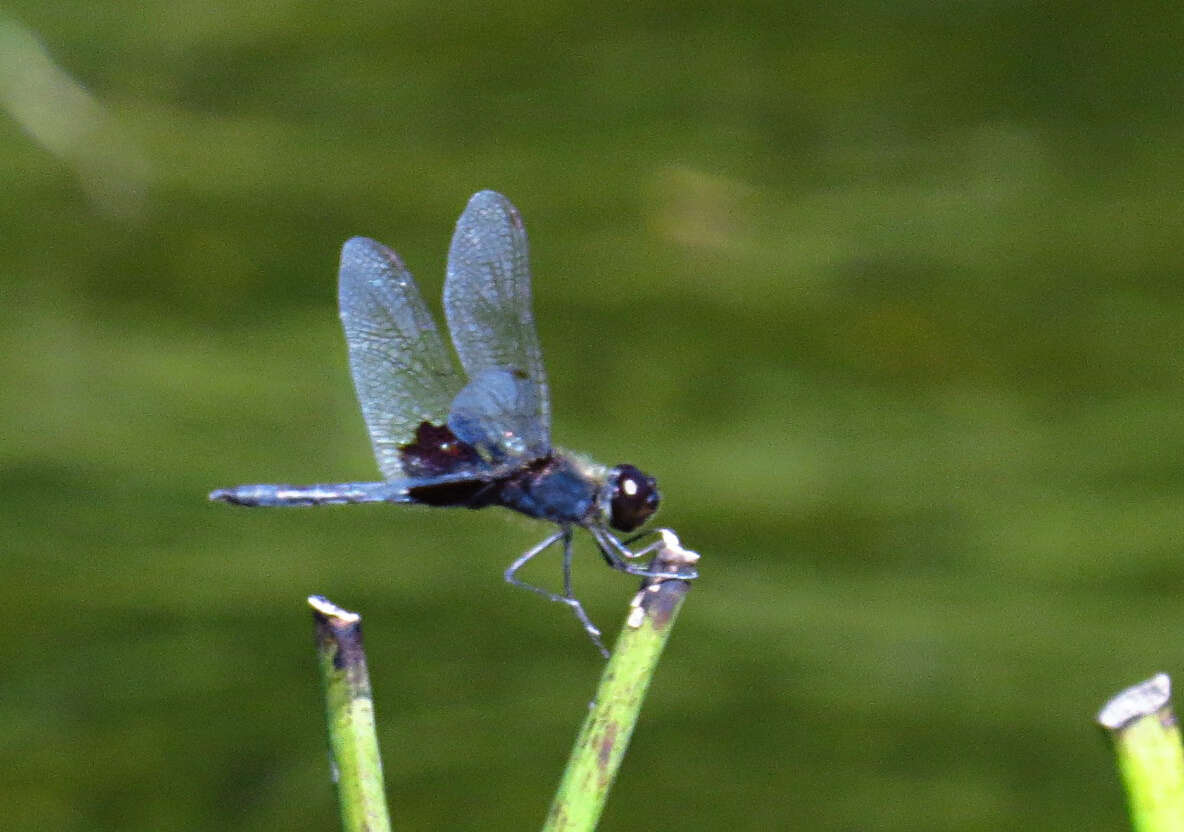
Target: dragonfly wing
<point x="488" y="304"/>
<point x="402" y="371"/>
<point x="496" y="414"/>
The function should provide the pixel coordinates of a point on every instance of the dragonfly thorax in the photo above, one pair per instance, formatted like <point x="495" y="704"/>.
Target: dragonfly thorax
<point x="561" y="488"/>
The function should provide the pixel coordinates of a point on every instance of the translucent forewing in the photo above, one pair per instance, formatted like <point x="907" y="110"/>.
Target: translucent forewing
<point x="495" y="413"/>
<point x="488" y="305"/>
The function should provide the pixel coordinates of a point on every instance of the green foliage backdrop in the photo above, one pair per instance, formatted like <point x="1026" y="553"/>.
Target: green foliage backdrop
<point x="886" y="295"/>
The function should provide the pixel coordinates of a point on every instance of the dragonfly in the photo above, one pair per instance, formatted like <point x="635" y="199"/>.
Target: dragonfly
<point x="482" y="437"/>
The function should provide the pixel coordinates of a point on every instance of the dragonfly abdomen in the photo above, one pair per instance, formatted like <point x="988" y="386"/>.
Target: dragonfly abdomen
<point x="311" y="495"/>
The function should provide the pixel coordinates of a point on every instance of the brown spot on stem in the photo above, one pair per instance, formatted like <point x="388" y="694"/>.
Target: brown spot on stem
<point x="606" y="745"/>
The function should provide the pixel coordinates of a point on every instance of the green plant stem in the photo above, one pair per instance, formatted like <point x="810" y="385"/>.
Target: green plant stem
<point x="604" y="737"/>
<point x="1150" y="759"/>
<point x="349" y="709"/>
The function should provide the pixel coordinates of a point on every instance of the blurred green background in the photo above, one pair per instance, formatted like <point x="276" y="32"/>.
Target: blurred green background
<point x="886" y="295"/>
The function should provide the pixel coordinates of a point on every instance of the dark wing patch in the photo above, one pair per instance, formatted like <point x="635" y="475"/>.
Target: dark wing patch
<point x="436" y="451"/>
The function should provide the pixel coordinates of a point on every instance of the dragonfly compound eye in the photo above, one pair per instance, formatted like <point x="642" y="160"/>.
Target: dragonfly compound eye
<point x="634" y="498"/>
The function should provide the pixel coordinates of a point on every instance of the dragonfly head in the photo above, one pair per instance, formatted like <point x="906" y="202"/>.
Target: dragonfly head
<point x="631" y="497"/>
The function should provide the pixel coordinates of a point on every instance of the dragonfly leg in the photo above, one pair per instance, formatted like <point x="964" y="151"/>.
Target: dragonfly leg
<point x="615" y="553"/>
<point x="568" y="598"/>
